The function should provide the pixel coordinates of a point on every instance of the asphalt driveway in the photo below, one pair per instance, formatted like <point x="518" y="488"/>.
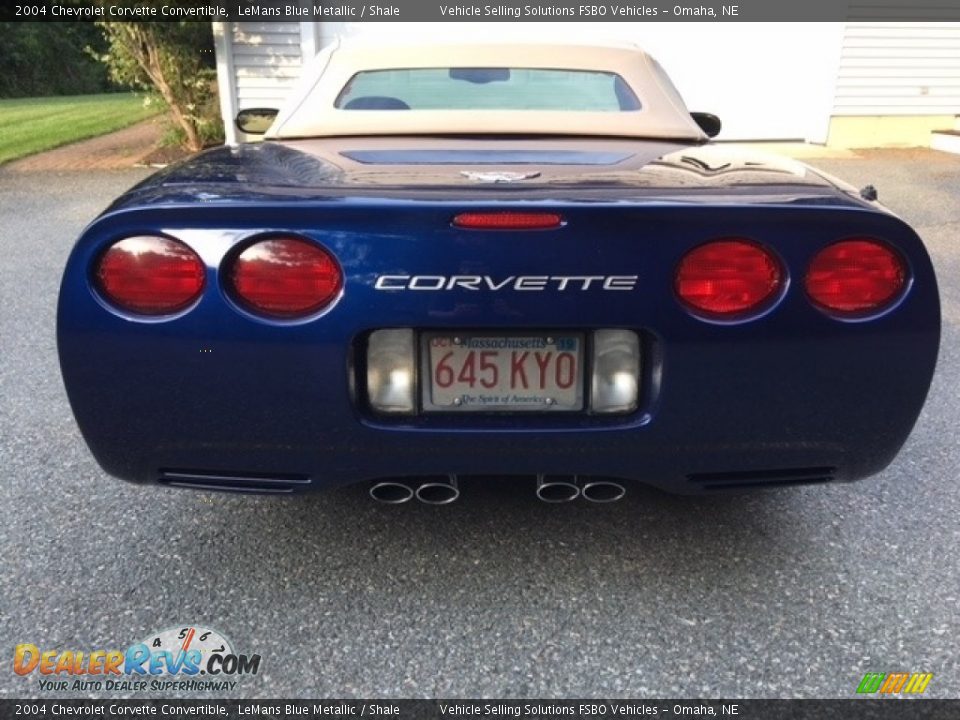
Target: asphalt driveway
<point x="790" y="593"/>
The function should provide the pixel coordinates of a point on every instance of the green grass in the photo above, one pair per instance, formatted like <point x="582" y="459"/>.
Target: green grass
<point x="31" y="125"/>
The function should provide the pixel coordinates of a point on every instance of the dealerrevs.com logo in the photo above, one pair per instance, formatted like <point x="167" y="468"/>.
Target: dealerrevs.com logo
<point x="191" y="658"/>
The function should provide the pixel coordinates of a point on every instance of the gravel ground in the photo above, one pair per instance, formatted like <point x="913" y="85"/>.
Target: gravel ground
<point x="794" y="593"/>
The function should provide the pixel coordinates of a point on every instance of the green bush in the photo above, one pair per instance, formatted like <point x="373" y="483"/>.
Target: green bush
<point x="174" y="63"/>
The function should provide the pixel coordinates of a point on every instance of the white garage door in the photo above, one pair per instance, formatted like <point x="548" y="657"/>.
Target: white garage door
<point x="899" y="69"/>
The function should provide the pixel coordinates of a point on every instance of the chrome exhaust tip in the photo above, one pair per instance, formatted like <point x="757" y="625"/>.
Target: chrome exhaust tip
<point x="602" y="491"/>
<point x="557" y="488"/>
<point x="391" y="492"/>
<point x="439" y="492"/>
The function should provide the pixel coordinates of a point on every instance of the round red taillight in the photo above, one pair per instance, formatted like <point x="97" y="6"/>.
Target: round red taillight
<point x="855" y="277"/>
<point x="285" y="278"/>
<point x="726" y="278"/>
<point x="150" y="275"/>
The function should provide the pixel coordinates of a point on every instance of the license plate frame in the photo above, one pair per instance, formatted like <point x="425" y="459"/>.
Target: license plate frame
<point x="437" y="400"/>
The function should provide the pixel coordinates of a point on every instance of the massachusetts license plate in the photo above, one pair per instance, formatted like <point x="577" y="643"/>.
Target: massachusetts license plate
<point x="509" y="373"/>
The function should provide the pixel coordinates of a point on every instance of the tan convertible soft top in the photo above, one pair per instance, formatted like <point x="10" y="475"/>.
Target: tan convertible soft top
<point x="310" y="110"/>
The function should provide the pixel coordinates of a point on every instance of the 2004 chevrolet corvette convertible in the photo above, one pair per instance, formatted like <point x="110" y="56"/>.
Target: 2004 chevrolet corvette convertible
<point x="508" y="260"/>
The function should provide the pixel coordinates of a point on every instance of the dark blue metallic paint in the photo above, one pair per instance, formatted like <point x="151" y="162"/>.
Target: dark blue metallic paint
<point x="215" y="390"/>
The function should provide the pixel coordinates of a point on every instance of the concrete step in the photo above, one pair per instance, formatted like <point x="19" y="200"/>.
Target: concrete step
<point x="946" y="141"/>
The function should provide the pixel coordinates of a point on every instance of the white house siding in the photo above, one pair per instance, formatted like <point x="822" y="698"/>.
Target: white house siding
<point x="903" y="68"/>
<point x="267" y="58"/>
<point x="259" y="62"/>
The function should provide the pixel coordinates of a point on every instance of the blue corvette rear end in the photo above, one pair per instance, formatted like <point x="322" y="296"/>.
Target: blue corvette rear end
<point x="216" y="395"/>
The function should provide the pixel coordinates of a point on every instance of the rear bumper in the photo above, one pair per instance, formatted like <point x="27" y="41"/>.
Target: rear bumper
<point x="711" y="415"/>
<point x="793" y="396"/>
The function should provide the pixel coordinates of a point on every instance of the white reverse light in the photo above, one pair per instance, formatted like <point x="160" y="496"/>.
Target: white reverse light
<point x="391" y="379"/>
<point x="616" y="371"/>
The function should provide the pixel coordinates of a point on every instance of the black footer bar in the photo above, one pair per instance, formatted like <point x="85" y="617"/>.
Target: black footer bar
<point x="854" y="709"/>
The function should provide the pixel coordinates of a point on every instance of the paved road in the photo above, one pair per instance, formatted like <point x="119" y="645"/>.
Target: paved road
<point x="792" y="593"/>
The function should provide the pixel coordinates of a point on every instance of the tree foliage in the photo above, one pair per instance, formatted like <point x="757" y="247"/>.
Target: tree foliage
<point x="175" y="62"/>
<point x="48" y="58"/>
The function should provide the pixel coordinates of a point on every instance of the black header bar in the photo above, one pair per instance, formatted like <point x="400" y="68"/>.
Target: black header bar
<point x="485" y="10"/>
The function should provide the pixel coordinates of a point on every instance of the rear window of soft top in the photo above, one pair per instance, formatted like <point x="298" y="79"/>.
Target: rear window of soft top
<point x="487" y="89"/>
